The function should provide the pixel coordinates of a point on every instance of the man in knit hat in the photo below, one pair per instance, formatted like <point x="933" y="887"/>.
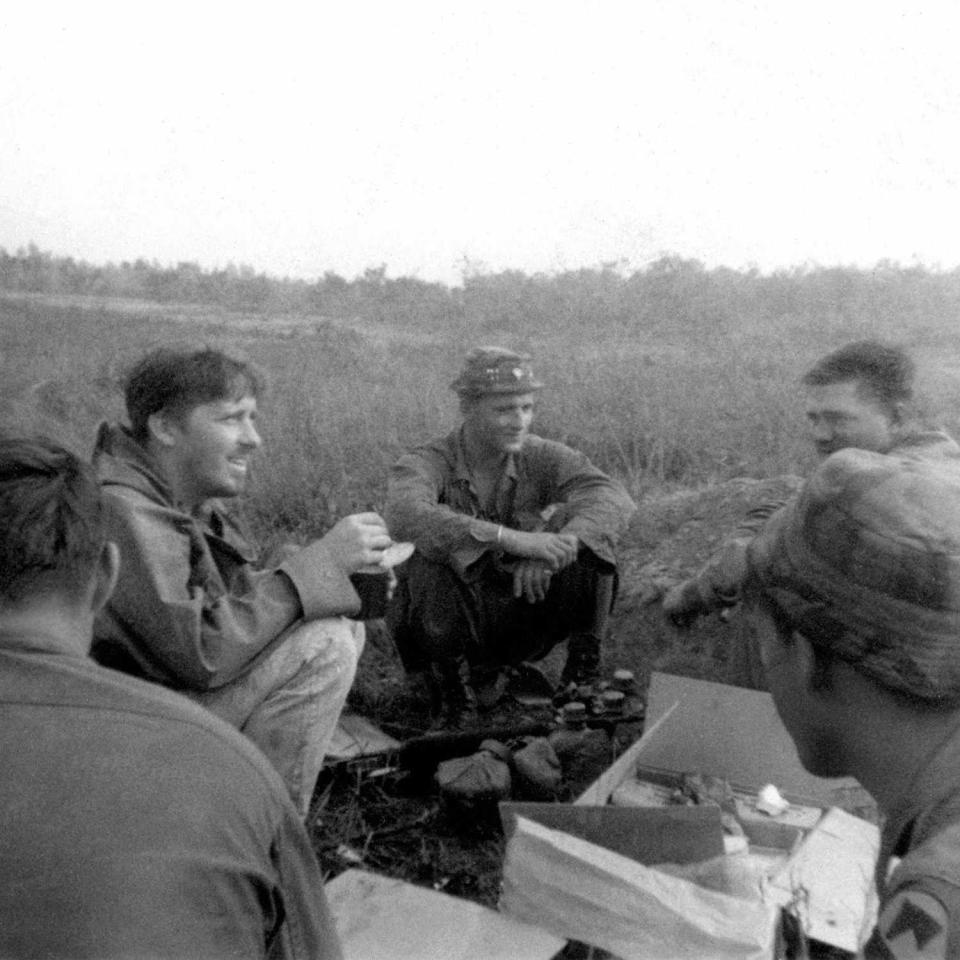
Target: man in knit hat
<point x="515" y="540"/>
<point x="854" y="593"/>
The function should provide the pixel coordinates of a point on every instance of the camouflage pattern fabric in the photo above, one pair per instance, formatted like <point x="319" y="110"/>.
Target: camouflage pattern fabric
<point x="867" y="564"/>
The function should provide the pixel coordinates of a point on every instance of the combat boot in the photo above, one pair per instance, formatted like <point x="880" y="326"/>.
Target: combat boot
<point x="583" y="660"/>
<point x="458" y="699"/>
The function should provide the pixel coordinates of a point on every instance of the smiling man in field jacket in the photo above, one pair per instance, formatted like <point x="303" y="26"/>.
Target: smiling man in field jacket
<point x="857" y="396"/>
<point x="269" y="650"/>
<point x="515" y="540"/>
<point x="135" y="823"/>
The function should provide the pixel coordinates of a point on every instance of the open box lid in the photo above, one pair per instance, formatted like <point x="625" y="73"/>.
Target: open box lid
<point x="695" y="726"/>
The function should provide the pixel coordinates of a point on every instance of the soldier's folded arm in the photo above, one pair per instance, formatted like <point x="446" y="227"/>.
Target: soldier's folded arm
<point x="596" y="508"/>
<point x="413" y="512"/>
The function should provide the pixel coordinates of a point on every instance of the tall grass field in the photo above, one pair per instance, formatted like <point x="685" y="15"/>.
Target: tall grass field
<point x="660" y="408"/>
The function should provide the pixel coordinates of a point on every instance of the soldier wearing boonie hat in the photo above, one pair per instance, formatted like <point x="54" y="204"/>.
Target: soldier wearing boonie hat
<point x="854" y="590"/>
<point x="515" y="538"/>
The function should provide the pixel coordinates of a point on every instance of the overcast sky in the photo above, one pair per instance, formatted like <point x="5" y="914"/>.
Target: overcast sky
<point x="300" y="138"/>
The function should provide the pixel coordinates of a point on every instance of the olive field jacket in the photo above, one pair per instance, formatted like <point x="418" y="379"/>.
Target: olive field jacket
<point x="137" y="824"/>
<point x="192" y="610"/>
<point x="431" y="500"/>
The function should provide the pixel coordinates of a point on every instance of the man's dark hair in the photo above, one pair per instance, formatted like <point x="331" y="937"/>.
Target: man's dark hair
<point x="885" y="371"/>
<point x="51" y="517"/>
<point x="179" y="380"/>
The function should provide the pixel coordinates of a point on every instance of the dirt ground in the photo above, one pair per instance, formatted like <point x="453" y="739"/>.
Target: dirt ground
<point x="388" y="817"/>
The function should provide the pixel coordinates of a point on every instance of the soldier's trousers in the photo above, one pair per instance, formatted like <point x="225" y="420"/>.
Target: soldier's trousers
<point x="436" y="615"/>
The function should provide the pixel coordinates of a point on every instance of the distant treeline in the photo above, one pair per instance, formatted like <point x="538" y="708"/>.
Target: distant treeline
<point x="671" y="290"/>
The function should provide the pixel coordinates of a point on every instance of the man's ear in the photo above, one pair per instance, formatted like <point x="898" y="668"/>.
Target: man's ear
<point x="163" y="428"/>
<point x="898" y="413"/>
<point x="108" y="569"/>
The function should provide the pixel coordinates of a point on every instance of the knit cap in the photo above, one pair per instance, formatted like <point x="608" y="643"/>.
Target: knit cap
<point x="866" y="563"/>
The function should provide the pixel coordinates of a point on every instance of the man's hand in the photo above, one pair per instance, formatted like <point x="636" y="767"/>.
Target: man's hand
<point x="531" y="579"/>
<point x="682" y="604"/>
<point x="724" y="573"/>
<point x="357" y="541"/>
<point x="557" y="550"/>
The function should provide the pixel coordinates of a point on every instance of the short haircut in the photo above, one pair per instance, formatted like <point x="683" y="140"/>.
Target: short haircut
<point x="886" y="371"/>
<point x="51" y="516"/>
<point x="179" y="380"/>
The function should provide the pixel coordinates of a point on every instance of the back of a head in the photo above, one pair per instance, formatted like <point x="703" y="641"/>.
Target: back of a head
<point x="886" y="371"/>
<point x="866" y="565"/>
<point x="128" y="810"/>
<point x="179" y="380"/>
<point x="51" y="517"/>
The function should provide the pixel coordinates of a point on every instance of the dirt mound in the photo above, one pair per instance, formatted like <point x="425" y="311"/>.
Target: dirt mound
<point x="670" y="538"/>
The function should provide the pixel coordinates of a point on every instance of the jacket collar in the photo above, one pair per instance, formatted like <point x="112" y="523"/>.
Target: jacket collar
<point x="120" y="459"/>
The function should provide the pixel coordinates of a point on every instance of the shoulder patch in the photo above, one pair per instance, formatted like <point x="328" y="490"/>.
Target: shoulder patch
<point x="912" y="926"/>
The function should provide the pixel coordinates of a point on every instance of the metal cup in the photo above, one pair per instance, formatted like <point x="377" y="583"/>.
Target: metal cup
<point x="375" y="584"/>
<point x="375" y="591"/>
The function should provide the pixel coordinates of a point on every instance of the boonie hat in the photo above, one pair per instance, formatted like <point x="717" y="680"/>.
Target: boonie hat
<point x="495" y="370"/>
<point x="866" y="564"/>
